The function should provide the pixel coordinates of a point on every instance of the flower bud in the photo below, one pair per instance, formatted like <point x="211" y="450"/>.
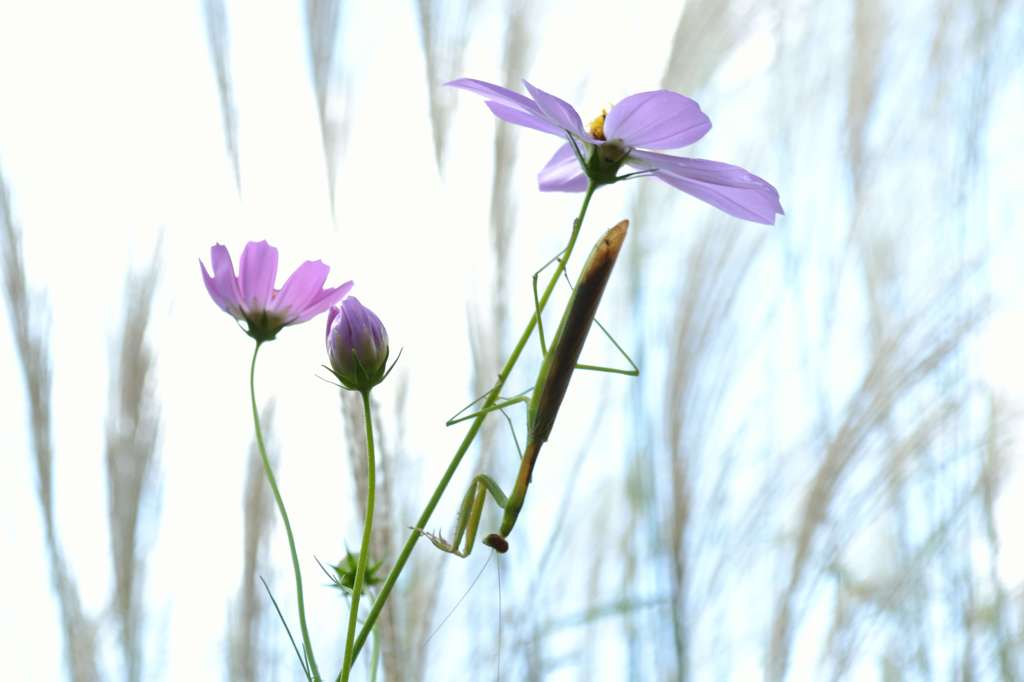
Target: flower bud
<point x="357" y="345"/>
<point x="345" y="572"/>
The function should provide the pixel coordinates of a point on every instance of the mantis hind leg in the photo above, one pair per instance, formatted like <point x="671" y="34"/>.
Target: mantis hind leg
<point x="501" y="404"/>
<point x="631" y="372"/>
<point x="633" y="369"/>
<point x="468" y="520"/>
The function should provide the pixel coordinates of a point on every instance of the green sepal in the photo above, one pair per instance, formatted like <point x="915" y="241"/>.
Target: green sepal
<point x="346" y="572"/>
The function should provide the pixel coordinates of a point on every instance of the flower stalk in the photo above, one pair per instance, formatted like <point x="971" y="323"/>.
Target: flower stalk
<point x="307" y="646"/>
<point x="364" y="550"/>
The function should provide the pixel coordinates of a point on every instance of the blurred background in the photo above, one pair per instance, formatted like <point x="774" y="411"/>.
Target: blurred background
<point x="816" y="475"/>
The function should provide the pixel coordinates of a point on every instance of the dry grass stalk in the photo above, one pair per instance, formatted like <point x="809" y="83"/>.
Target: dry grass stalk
<point x="701" y="369"/>
<point x="249" y="650"/>
<point x="999" y="615"/>
<point x="485" y="358"/>
<point x="894" y="591"/>
<point x="28" y="321"/>
<point x="706" y="32"/>
<point x="862" y="95"/>
<point x="640" y="525"/>
<point x="132" y="485"/>
<point x="411" y="624"/>
<point x="902" y="365"/>
<point x="444" y="31"/>
<point x="323" y="22"/>
<point x="322" y="19"/>
<point x="218" y="39"/>
<point x="863" y="81"/>
<point x="516" y="55"/>
<point x="955" y="570"/>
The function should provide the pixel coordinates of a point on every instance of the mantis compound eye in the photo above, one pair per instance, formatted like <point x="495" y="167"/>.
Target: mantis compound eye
<point x="497" y="543"/>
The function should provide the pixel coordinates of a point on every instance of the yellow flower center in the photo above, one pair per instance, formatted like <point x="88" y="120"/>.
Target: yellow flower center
<point x="596" y="127"/>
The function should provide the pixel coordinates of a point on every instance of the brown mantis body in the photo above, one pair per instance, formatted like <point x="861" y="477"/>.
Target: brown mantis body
<point x="548" y="393"/>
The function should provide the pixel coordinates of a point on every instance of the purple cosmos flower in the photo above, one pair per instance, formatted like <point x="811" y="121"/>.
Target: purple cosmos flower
<point x="252" y="298"/>
<point x="357" y="345"/>
<point x="626" y="134"/>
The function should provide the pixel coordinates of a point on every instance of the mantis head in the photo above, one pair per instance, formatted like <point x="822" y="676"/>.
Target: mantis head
<point x="496" y="542"/>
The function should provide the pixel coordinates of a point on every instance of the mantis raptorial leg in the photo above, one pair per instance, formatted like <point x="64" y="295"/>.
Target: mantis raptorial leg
<point x="548" y="392"/>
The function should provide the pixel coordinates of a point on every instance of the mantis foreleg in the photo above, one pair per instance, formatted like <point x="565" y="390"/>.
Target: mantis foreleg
<point x="469" y="516"/>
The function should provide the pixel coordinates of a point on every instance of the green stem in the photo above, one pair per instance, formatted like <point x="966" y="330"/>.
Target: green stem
<point x="307" y="647"/>
<point x="374" y="658"/>
<point x="492" y="398"/>
<point x="364" y="550"/>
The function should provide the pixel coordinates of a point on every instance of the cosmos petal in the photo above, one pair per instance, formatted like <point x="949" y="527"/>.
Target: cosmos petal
<point x="660" y="119"/>
<point x="508" y="105"/>
<point x="250" y="298"/>
<point x="563" y="172"/>
<point x="522" y="118"/>
<point x="556" y="110"/>
<point x="729" y="188"/>
<point x="257" y="270"/>
<point x="322" y="301"/>
<point x="496" y="93"/>
<point x="302" y="286"/>
<point x="222" y="285"/>
<point x="332" y="312"/>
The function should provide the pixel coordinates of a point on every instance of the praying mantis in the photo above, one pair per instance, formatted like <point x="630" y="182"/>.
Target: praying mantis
<point x="552" y="381"/>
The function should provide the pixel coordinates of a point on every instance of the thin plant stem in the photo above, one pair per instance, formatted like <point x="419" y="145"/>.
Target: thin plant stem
<point x="364" y="550"/>
<point x="306" y="645"/>
<point x="474" y="428"/>
<point x="374" y="658"/>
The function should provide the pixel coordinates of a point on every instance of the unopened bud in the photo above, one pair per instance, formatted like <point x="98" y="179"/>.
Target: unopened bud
<point x="357" y="345"/>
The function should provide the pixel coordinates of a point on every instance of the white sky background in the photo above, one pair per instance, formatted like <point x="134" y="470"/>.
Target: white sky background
<point x="110" y="135"/>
